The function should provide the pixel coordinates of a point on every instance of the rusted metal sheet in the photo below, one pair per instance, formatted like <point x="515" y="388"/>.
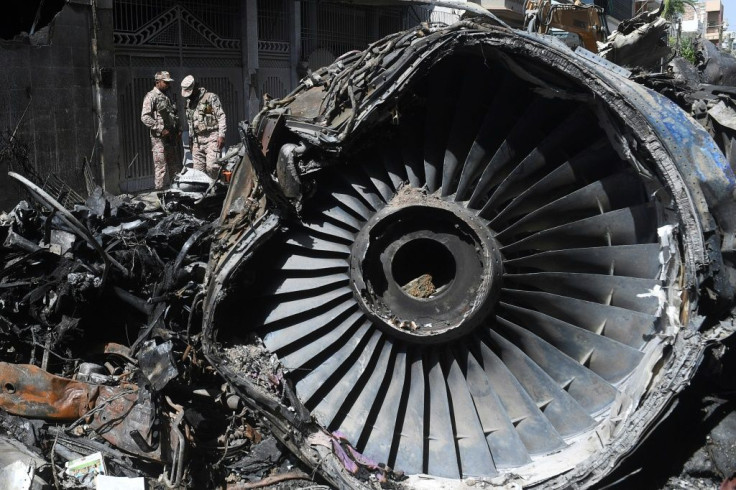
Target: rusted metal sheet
<point x="29" y="391"/>
<point x="124" y="415"/>
<point x="127" y="419"/>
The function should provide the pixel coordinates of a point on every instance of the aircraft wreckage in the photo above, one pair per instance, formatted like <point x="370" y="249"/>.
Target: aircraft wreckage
<point x="469" y="253"/>
<point x="466" y="256"/>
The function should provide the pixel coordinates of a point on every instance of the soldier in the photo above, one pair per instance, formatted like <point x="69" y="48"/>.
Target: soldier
<point x="207" y="125"/>
<point x="159" y="114"/>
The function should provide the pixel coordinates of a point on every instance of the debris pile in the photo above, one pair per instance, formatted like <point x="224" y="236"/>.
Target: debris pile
<point x="639" y="42"/>
<point x="705" y="89"/>
<point x="100" y="357"/>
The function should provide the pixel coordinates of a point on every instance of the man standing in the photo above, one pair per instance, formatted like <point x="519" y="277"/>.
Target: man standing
<point x="159" y="114"/>
<point x="207" y="125"/>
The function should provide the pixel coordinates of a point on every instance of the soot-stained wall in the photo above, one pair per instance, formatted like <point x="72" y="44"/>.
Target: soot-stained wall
<point x="46" y="97"/>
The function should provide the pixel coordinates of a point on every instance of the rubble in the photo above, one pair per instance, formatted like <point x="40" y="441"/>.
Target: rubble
<point x="101" y="349"/>
<point x="639" y="42"/>
<point x="706" y="91"/>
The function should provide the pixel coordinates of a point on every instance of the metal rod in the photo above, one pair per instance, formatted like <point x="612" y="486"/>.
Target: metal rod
<point x="72" y="222"/>
<point x="37" y="18"/>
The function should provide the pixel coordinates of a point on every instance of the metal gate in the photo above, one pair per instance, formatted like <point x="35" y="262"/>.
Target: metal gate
<point x="327" y="31"/>
<point x="183" y="37"/>
<point x="331" y="29"/>
<point x="274" y="51"/>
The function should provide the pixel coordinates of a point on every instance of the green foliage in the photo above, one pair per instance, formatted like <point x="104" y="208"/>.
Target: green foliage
<point x="687" y="49"/>
<point x="672" y="8"/>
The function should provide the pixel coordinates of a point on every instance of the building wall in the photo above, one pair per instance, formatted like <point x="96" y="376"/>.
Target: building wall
<point x="693" y="18"/>
<point x="714" y="20"/>
<point x="511" y="11"/>
<point x="727" y="43"/>
<point x="46" y="93"/>
<point x="619" y="9"/>
<point x="54" y="74"/>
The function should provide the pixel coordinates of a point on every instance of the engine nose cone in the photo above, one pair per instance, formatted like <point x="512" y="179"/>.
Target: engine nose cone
<point x="424" y="269"/>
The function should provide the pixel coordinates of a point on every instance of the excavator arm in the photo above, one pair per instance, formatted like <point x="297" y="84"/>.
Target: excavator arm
<point x="587" y="21"/>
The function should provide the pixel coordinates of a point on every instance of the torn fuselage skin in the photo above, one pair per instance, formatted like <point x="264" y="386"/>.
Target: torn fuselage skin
<point x="339" y="112"/>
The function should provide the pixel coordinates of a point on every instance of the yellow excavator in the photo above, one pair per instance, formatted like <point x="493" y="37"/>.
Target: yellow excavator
<point x="587" y="21"/>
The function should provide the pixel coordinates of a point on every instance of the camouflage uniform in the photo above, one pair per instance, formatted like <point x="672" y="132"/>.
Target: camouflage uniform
<point x="207" y="123"/>
<point x="159" y="113"/>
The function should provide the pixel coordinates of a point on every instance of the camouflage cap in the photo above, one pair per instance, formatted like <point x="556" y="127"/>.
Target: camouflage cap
<point x="164" y="75"/>
<point x="187" y="86"/>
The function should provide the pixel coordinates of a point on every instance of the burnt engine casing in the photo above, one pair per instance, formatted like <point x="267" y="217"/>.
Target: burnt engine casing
<point x="468" y="252"/>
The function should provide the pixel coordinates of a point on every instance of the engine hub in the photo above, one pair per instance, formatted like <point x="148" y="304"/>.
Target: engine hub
<point x="424" y="269"/>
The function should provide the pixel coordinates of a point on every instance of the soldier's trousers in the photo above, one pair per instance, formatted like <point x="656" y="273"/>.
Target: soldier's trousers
<point x="205" y="152"/>
<point x="164" y="162"/>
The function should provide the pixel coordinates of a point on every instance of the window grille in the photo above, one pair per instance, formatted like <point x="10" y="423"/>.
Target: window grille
<point x="340" y="28"/>
<point x="222" y="17"/>
<point x="273" y="20"/>
<point x="620" y="9"/>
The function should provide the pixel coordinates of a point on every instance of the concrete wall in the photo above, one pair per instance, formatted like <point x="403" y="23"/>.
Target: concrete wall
<point x="49" y="77"/>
